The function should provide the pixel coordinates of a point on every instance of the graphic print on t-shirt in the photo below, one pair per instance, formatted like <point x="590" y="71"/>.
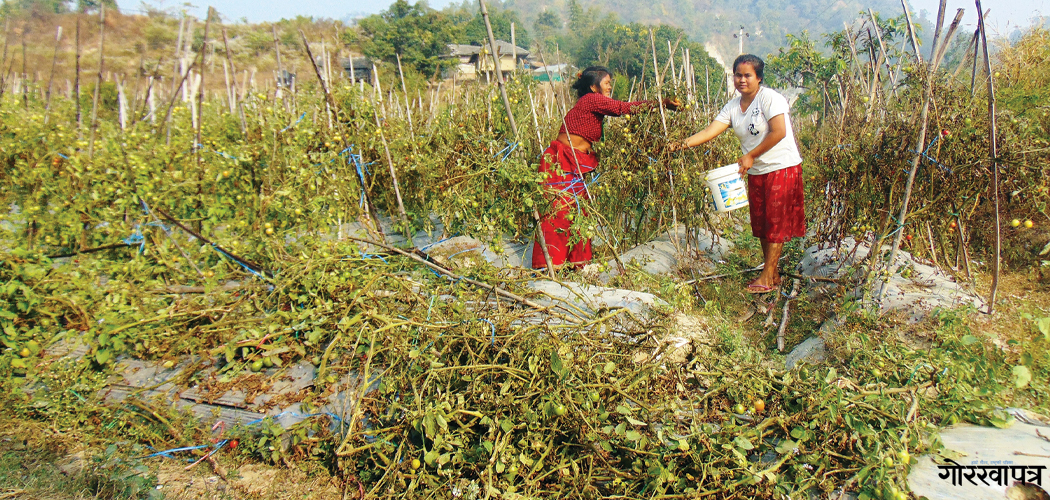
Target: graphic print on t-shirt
<point x="752" y="124"/>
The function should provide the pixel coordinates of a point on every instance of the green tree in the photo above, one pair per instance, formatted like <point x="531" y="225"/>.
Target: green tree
<point x="803" y="65"/>
<point x="95" y="5"/>
<point x="547" y="28"/>
<point x="418" y="33"/>
<point x="474" y="31"/>
<point x="36" y="6"/>
<point x="627" y="49"/>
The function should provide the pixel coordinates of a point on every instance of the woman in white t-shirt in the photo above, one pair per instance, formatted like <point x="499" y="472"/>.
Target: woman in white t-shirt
<point x="759" y="118"/>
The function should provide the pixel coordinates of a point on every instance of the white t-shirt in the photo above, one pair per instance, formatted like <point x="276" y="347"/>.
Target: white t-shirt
<point x="752" y="124"/>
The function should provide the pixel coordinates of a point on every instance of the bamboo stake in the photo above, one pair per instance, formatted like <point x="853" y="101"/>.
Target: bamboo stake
<point x="994" y="156"/>
<point x="408" y="110"/>
<point x="911" y="33"/>
<point x="976" y="61"/>
<point x="938" y="29"/>
<point x="231" y="89"/>
<point x="919" y="145"/>
<point x="535" y="121"/>
<point x="51" y="78"/>
<point x="76" y="82"/>
<point x="151" y="102"/>
<point x="3" y="62"/>
<point x="933" y="251"/>
<point x="122" y="105"/>
<point x="948" y="36"/>
<point x="406" y="227"/>
<point x="280" y="68"/>
<point x="877" y="69"/>
<point x="966" y="55"/>
<point x="98" y="83"/>
<point x="329" y="100"/>
<point x="663" y="121"/>
<point x="200" y="119"/>
<point x="498" y="70"/>
<point x="187" y="49"/>
<point x="24" y="78"/>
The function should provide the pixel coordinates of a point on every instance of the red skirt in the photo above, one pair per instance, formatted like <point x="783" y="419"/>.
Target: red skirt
<point x="777" y="205"/>
<point x="564" y="169"/>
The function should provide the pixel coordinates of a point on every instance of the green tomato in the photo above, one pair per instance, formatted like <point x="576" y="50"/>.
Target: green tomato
<point x="559" y="410"/>
<point x="739" y="409"/>
<point x="257" y="365"/>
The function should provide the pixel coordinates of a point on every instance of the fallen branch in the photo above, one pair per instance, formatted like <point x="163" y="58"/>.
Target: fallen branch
<point x="784" y="318"/>
<point x="92" y="250"/>
<point x="254" y="267"/>
<point x="499" y="291"/>
<point x="716" y="276"/>
<point x="820" y="279"/>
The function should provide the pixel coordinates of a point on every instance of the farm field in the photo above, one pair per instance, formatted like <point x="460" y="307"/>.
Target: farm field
<point x="319" y="291"/>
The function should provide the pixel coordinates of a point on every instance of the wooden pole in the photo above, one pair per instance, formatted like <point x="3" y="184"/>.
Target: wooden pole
<point x="498" y="70"/>
<point x="920" y="142"/>
<point x="200" y="120"/>
<point x="993" y="151"/>
<point x="937" y="56"/>
<point x="98" y="82"/>
<point x="76" y="82"/>
<point x="231" y="89"/>
<point x="3" y="61"/>
<point x="51" y="78"/>
<point x="406" y="227"/>
<point x="962" y="60"/>
<point x="911" y="33"/>
<point x="122" y="105"/>
<point x="408" y="110"/>
<point x="25" y="77"/>
<point x="663" y="121"/>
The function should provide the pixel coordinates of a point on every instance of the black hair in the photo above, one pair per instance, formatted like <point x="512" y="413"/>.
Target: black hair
<point x="592" y="76"/>
<point x="754" y="61"/>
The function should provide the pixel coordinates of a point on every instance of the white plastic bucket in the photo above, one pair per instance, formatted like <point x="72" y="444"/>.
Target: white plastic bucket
<point x="727" y="188"/>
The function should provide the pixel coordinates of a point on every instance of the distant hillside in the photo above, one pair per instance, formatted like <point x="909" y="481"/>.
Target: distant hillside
<point x="716" y="21"/>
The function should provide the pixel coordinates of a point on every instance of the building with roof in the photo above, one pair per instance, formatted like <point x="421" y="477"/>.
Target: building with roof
<point x="475" y="61"/>
<point x="358" y="69"/>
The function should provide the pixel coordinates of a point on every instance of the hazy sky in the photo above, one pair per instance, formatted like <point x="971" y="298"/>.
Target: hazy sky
<point x="1005" y="15"/>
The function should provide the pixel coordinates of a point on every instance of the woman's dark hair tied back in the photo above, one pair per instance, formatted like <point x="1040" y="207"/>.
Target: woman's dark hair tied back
<point x="755" y="62"/>
<point x="592" y="76"/>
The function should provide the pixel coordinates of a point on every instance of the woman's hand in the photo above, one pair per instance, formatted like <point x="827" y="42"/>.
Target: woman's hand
<point x="745" y="163"/>
<point x="676" y="146"/>
<point x="672" y="104"/>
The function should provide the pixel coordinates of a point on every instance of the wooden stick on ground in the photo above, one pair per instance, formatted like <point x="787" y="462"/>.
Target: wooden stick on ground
<point x="499" y="291"/>
<point x="254" y="267"/>
<point x="784" y="318"/>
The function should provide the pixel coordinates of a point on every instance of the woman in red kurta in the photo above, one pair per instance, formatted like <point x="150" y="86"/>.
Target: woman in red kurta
<point x="570" y="156"/>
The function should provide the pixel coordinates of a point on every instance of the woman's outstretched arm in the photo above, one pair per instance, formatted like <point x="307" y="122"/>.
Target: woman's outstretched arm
<point x="712" y="131"/>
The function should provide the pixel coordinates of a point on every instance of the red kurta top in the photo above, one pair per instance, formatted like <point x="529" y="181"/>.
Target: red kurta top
<point x="585" y="118"/>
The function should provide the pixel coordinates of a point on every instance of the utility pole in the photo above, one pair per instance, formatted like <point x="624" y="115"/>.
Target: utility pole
<point x="741" y="35"/>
